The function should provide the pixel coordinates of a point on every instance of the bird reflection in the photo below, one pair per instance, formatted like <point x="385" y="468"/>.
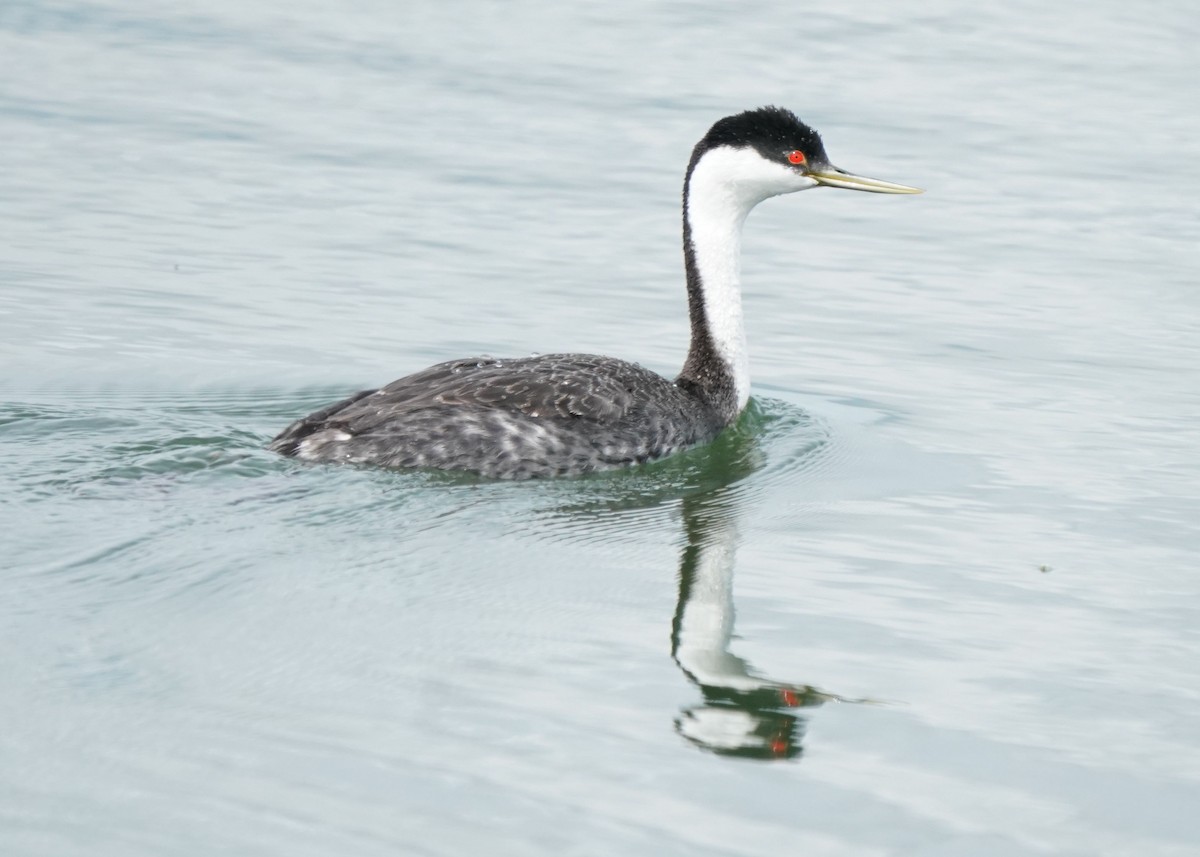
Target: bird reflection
<point x="743" y="712"/>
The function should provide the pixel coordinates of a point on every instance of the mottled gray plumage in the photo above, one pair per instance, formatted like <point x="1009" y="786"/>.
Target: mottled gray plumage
<point x="554" y="415"/>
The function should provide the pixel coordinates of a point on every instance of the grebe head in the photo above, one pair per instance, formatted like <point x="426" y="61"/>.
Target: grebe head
<point x="769" y="151"/>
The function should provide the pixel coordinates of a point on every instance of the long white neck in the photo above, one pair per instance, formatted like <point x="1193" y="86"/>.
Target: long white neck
<point x="724" y="185"/>
<point x="705" y="614"/>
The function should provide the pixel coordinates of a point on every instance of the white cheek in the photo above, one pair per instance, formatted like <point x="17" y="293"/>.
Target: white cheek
<point x="802" y="182"/>
<point x="744" y="177"/>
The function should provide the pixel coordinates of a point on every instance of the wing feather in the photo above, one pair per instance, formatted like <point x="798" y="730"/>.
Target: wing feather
<point x="574" y="386"/>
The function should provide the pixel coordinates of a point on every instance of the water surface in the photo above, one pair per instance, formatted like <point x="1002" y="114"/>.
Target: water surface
<point x="958" y="525"/>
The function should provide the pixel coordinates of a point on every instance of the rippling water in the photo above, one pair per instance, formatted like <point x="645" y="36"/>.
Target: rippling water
<point x="959" y="522"/>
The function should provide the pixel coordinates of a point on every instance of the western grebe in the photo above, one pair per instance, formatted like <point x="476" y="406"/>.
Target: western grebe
<point x="566" y="414"/>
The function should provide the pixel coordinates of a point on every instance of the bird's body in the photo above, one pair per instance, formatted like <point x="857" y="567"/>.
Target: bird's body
<point x="553" y="415"/>
<point x="566" y="414"/>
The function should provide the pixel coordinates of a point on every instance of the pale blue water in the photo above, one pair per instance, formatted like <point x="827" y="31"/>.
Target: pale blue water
<point x="968" y="492"/>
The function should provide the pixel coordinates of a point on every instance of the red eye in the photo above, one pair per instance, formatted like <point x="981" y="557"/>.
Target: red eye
<point x="796" y="157"/>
